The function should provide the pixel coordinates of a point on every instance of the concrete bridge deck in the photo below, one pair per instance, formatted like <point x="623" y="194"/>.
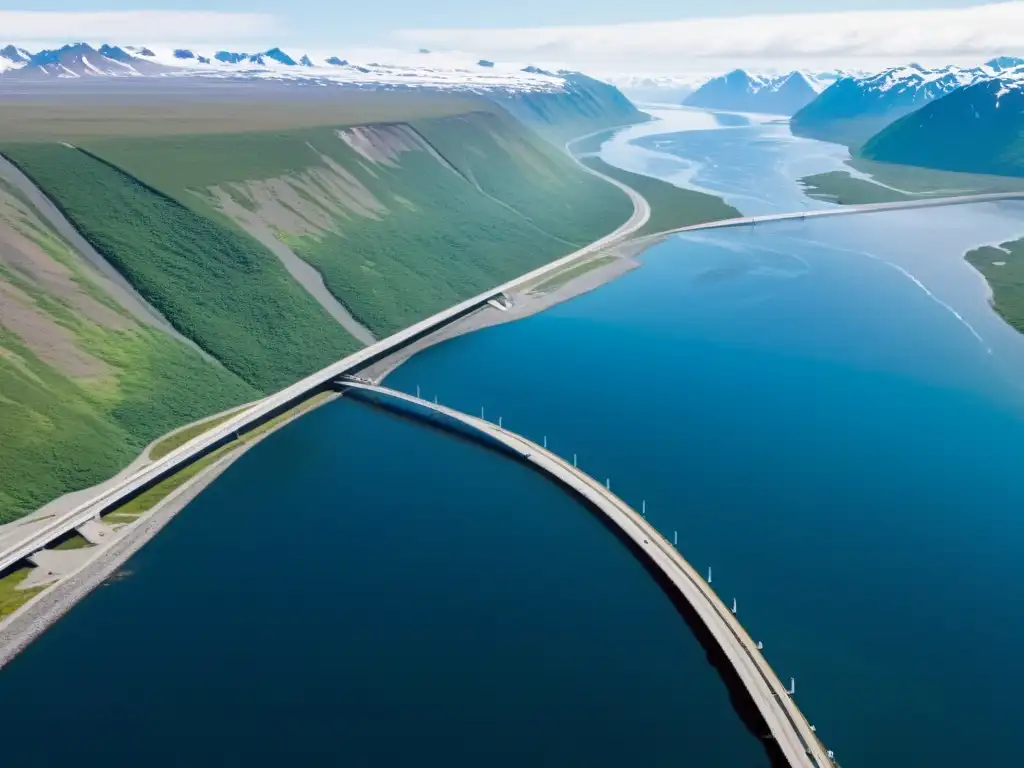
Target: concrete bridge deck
<point x="788" y="726"/>
<point x="289" y="396"/>
<point x="279" y="401"/>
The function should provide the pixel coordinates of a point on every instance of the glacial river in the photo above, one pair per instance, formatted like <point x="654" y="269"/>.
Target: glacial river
<point x="826" y="411"/>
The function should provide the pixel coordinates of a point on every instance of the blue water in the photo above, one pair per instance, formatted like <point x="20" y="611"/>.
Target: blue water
<point x="827" y="412"/>
<point x="830" y="437"/>
<point x="360" y="590"/>
<point x="753" y="165"/>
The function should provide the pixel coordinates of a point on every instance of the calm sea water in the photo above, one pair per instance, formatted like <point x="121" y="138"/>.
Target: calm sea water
<point x="360" y="590"/>
<point x="827" y="412"/>
<point x="838" y="437"/>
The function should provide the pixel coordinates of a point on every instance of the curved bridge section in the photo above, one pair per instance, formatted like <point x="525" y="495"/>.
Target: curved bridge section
<point x="788" y="726"/>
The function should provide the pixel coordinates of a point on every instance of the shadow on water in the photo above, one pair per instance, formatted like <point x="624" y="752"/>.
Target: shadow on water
<point x="739" y="697"/>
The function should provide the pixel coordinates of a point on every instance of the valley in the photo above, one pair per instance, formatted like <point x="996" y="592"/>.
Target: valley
<point x="248" y="245"/>
<point x="745" y="314"/>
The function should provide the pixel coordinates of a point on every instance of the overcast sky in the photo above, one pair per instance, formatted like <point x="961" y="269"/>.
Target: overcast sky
<point x="602" y="36"/>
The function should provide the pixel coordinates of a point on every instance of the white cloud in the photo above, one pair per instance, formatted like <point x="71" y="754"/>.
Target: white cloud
<point x="806" y="39"/>
<point x="127" y="27"/>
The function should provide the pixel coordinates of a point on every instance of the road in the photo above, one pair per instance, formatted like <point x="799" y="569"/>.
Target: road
<point x="260" y="411"/>
<point x="788" y="726"/>
<point x="182" y="456"/>
<point x="845" y="210"/>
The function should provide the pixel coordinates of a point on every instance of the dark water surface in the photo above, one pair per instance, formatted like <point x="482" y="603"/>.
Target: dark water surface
<point x="827" y="412"/>
<point x="361" y="590"/>
<point x="840" y="439"/>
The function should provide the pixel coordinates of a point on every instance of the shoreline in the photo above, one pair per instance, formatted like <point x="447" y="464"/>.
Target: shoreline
<point x="21" y="628"/>
<point x="528" y="301"/>
<point x="70" y="500"/>
<point x="31" y="620"/>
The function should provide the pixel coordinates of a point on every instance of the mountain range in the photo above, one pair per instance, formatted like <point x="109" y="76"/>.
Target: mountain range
<point x="558" y="104"/>
<point x="952" y="118"/>
<point x="978" y="128"/>
<point x="740" y="91"/>
<point x="81" y="60"/>
<point x="853" y="108"/>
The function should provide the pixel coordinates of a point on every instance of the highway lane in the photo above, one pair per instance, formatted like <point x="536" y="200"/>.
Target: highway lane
<point x="845" y="210"/>
<point x="261" y="410"/>
<point x="183" y="455"/>
<point x="788" y="726"/>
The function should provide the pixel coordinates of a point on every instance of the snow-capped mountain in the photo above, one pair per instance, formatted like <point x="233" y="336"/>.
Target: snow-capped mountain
<point x="1004" y="63"/>
<point x="13" y="58"/>
<point x="73" y="61"/>
<point x="854" y="108"/>
<point x="978" y="128"/>
<point x="360" y="67"/>
<point x="740" y="91"/>
<point x="386" y="68"/>
<point x="558" y="104"/>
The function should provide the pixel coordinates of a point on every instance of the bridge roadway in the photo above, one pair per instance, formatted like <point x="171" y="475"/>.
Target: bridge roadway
<point x="293" y="394"/>
<point x="788" y="726"/>
<point x="843" y="210"/>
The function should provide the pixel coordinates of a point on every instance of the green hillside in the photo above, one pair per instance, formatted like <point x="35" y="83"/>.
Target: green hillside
<point x="401" y="220"/>
<point x="1003" y="268"/>
<point x="83" y="385"/>
<point x="216" y="286"/>
<point x="975" y="129"/>
<point x="399" y="227"/>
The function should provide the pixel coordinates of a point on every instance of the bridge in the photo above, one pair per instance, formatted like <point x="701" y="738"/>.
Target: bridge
<point x="288" y="397"/>
<point x="791" y="731"/>
<point x="839" y="210"/>
<point x="496" y="297"/>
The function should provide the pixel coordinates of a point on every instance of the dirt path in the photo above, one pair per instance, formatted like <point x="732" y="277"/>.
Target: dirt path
<point x="124" y="293"/>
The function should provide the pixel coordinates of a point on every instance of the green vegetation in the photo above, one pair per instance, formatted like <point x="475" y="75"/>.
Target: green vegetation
<point x="145" y="501"/>
<point x="83" y="386"/>
<point x="217" y="286"/>
<point x="915" y="180"/>
<point x="399" y="237"/>
<point x="58" y="434"/>
<point x="671" y="206"/>
<point x="397" y="233"/>
<point x="12" y="598"/>
<point x="1003" y="268"/>
<point x="593" y="142"/>
<point x="842" y="188"/>
<point x="561" y="278"/>
<point x="176" y="106"/>
<point x="73" y="541"/>
<point x="527" y="174"/>
<point x="901" y="182"/>
<point x="582" y="106"/>
<point x="976" y="129"/>
<point x="179" y="438"/>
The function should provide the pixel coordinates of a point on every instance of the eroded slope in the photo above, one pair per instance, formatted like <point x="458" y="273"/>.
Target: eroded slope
<point x="401" y="220"/>
<point x="83" y="383"/>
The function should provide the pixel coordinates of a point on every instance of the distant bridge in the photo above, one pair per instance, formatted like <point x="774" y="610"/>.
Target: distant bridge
<point x="791" y="731"/>
<point x="841" y="210"/>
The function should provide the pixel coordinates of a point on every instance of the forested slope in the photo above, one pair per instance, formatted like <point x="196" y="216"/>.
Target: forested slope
<point x="401" y="220"/>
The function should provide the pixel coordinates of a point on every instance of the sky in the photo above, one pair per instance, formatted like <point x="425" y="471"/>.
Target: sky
<point x="599" y="36"/>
